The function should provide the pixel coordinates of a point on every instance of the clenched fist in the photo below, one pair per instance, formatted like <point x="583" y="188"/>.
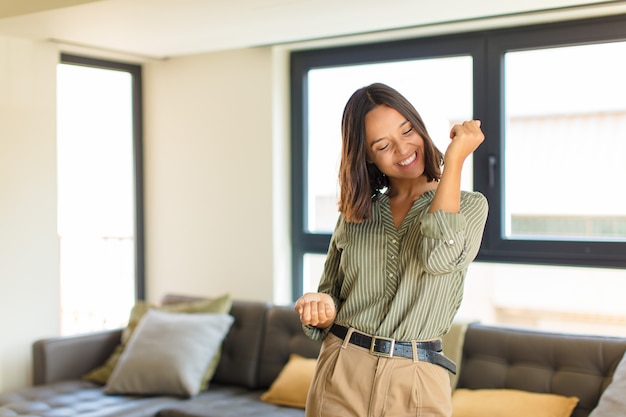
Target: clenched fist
<point x="316" y="309"/>
<point x="466" y="137"/>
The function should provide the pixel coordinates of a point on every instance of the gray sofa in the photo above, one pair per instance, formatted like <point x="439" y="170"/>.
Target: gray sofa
<point x="260" y="343"/>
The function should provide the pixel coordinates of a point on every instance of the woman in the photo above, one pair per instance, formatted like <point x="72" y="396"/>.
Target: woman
<point x="393" y="276"/>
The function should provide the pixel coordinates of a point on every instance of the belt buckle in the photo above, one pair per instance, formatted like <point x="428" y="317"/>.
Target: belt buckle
<point x="391" y="341"/>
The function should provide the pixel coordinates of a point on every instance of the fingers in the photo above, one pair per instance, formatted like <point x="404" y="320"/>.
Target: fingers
<point x="468" y="127"/>
<point x="313" y="313"/>
<point x="316" y="309"/>
<point x="317" y="313"/>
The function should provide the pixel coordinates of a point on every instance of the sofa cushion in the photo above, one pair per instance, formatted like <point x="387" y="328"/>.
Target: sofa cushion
<point x="510" y="403"/>
<point x="228" y="401"/>
<point x="168" y="354"/>
<point x="292" y="385"/>
<point x="77" y="399"/>
<point x="613" y="400"/>
<point x="535" y="361"/>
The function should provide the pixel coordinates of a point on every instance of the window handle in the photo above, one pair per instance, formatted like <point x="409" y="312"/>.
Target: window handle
<point x="492" y="170"/>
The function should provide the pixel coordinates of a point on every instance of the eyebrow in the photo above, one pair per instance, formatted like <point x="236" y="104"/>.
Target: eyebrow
<point x="383" y="138"/>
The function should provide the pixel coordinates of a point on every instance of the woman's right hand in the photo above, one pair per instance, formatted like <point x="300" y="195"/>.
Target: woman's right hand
<point x="466" y="137"/>
<point x="316" y="309"/>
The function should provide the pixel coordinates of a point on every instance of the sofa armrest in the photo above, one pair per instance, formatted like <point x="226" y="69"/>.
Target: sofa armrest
<point x="70" y="357"/>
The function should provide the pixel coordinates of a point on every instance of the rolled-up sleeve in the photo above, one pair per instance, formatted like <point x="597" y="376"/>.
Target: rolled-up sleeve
<point x="330" y="282"/>
<point x="451" y="240"/>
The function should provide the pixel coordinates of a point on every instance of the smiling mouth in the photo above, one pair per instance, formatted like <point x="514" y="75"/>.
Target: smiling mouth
<point x="408" y="160"/>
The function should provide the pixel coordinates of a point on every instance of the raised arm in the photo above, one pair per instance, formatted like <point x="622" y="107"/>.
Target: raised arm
<point x="466" y="138"/>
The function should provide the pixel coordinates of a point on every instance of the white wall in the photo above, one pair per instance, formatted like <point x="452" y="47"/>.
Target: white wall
<point x="208" y="158"/>
<point x="29" y="267"/>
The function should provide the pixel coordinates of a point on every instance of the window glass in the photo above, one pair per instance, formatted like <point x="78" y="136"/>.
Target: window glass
<point x="565" y="143"/>
<point x="549" y="298"/>
<point x="96" y="195"/>
<point x="439" y="88"/>
<point x="313" y="266"/>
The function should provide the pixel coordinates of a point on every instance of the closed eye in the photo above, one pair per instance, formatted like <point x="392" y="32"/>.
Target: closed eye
<point x="408" y="131"/>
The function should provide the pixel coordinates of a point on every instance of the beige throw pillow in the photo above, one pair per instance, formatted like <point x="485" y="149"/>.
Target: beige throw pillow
<point x="510" y="403"/>
<point x="292" y="384"/>
<point x="168" y="354"/>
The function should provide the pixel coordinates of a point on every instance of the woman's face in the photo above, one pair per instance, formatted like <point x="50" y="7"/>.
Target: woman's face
<point x="393" y="144"/>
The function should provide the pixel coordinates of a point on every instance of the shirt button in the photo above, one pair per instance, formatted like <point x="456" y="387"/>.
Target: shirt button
<point x="392" y="257"/>
<point x="390" y="275"/>
<point x="393" y="241"/>
<point x="451" y="241"/>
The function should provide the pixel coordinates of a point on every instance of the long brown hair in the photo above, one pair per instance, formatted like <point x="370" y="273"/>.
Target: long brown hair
<point x="360" y="181"/>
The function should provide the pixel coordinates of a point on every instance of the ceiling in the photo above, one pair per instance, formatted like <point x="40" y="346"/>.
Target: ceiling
<point x="157" y="29"/>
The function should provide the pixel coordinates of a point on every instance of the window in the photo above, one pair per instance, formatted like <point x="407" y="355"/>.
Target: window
<point x="575" y="123"/>
<point x="99" y="192"/>
<point x="553" y="104"/>
<point x="557" y="144"/>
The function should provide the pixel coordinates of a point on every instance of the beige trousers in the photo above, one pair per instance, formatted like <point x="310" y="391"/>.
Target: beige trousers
<point x="351" y="382"/>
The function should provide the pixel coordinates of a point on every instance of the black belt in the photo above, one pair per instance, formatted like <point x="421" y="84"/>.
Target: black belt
<point x="429" y="351"/>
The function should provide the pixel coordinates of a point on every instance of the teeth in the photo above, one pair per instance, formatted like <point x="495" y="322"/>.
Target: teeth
<point x="407" y="161"/>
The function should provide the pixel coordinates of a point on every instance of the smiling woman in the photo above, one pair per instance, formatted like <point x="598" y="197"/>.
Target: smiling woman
<point x="396" y="261"/>
<point x="427" y="83"/>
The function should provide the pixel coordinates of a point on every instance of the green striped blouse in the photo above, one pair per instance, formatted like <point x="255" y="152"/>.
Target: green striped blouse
<point x="406" y="282"/>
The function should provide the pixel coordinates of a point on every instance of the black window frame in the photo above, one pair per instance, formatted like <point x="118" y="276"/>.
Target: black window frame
<point x="135" y="72"/>
<point x="487" y="47"/>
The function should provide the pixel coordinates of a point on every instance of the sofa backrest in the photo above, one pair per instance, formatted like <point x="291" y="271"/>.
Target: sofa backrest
<point x="241" y="348"/>
<point x="283" y="336"/>
<point x="535" y="361"/>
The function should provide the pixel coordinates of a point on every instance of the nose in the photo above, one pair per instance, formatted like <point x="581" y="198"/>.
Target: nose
<point x="401" y="147"/>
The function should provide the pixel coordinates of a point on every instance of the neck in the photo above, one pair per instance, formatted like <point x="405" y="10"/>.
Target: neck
<point x="410" y="189"/>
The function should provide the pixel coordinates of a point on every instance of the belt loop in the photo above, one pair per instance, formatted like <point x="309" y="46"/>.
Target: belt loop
<point x="346" y="339"/>
<point x="414" y="347"/>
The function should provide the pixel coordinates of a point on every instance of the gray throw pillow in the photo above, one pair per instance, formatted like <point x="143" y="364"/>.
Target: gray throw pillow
<point x="168" y="353"/>
<point x="613" y="400"/>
